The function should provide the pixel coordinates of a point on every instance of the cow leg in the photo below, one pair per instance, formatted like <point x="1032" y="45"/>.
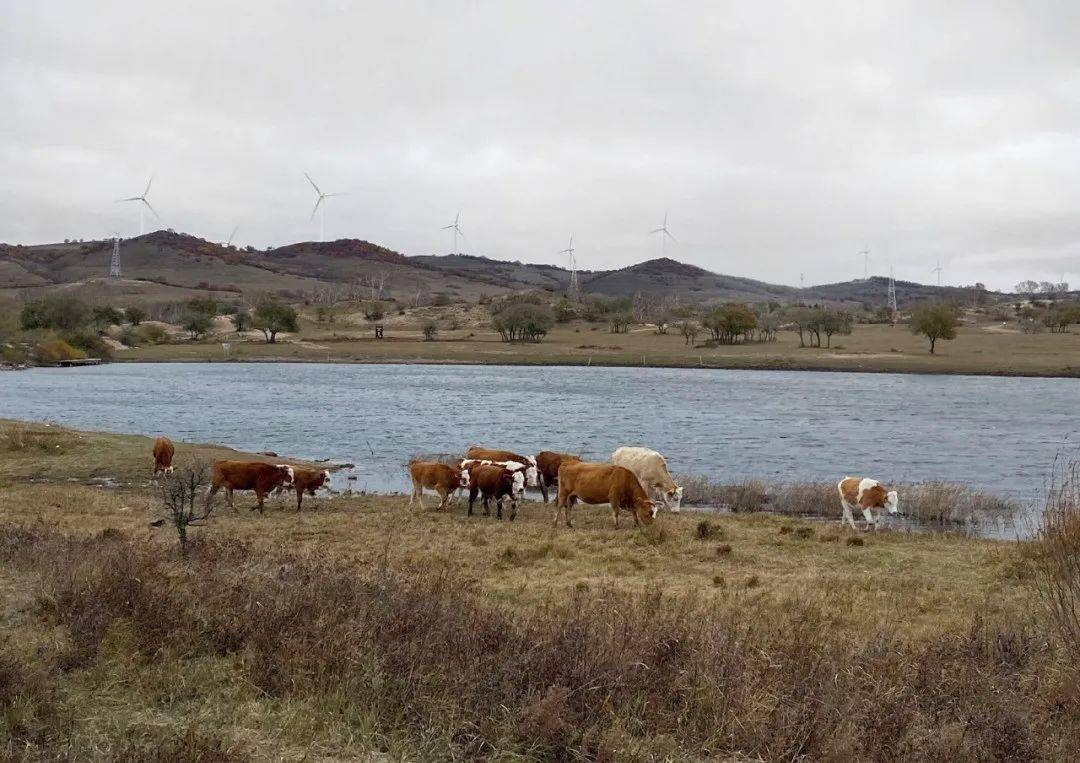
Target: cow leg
<point x="513" y="509"/>
<point x="299" y="499"/>
<point x="498" y="507"/>
<point x="472" y="498"/>
<point x="210" y="495"/>
<point x="870" y="521"/>
<point x="229" y="497"/>
<point x="571" y="500"/>
<point x="259" y="497"/>
<point x="847" y="516"/>
<point x="487" y="505"/>
<point x="445" y="495"/>
<point x="543" y="487"/>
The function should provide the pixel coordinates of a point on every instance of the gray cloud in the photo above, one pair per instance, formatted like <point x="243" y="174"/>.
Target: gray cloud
<point x="782" y="137"/>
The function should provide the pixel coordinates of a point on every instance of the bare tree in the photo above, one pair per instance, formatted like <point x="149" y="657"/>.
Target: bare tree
<point x="178" y="497"/>
<point x="375" y="283"/>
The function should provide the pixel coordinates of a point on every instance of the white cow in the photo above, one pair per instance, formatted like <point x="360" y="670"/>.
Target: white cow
<point x="651" y="470"/>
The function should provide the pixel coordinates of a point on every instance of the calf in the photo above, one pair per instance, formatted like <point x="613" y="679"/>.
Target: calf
<point x="651" y="468"/>
<point x="866" y="495"/>
<point x="434" y="475"/>
<point x="309" y="480"/>
<point x="163" y="456"/>
<point x="603" y="483"/>
<point x="261" y="477"/>
<point x="480" y="453"/>
<point x="498" y="482"/>
<point x="547" y="465"/>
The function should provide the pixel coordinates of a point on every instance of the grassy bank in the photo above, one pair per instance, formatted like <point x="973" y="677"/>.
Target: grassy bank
<point x="982" y="349"/>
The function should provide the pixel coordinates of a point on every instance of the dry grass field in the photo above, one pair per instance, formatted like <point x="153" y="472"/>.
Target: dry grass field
<point x="362" y="628"/>
<point x="981" y="349"/>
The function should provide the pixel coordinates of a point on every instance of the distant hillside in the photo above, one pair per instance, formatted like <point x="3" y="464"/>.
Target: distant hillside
<point x="180" y="261"/>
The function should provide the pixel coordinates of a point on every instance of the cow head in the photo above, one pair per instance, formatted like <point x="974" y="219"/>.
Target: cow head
<point x="892" y="502"/>
<point x="646" y="510"/>
<point x="673" y="499"/>
<point x="463" y="477"/>
<point x="168" y="470"/>
<point x="518" y="486"/>
<point x="532" y="474"/>
<point x="325" y="478"/>
<point x="287" y="473"/>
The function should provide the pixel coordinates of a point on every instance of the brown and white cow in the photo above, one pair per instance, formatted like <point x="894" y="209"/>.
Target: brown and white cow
<point x="480" y="453"/>
<point x="866" y="495"/>
<point x="495" y="481"/>
<point x="603" y="483"/>
<point x="651" y="468"/>
<point x="435" y="475"/>
<point x="163" y="456"/>
<point x="547" y="465"/>
<point x="261" y="477"/>
<point x="309" y="480"/>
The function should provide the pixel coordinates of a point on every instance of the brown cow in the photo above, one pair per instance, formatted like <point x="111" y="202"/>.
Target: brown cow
<point x="603" y="483"/>
<point x="163" y="456"/>
<point x="435" y="475"/>
<point x="532" y="478"/>
<point x="547" y="465"/>
<point x="261" y="477"/>
<point x="309" y="480"/>
<point x="498" y="482"/>
<point x="866" y="495"/>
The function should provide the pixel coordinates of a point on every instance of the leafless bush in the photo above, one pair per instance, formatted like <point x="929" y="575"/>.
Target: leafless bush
<point x="1057" y="568"/>
<point x="180" y="492"/>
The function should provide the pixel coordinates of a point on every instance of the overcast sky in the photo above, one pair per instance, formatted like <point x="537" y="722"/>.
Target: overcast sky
<point x="783" y="138"/>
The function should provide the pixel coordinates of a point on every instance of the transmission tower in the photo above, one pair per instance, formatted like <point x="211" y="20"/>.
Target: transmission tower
<point x="114" y="266"/>
<point x="892" y="296"/>
<point x="574" y="290"/>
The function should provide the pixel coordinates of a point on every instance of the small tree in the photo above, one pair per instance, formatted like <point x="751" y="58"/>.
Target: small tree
<point x="730" y="321"/>
<point x="197" y="324"/>
<point x="835" y="322"/>
<point x="523" y="322"/>
<point x="103" y="317"/>
<point x="431" y="330"/>
<point x="619" y="323"/>
<point x="135" y="315"/>
<point x="272" y="317"/>
<point x="241" y="320"/>
<point x="935" y="322"/>
<point x="689" y="329"/>
<point x="179" y="493"/>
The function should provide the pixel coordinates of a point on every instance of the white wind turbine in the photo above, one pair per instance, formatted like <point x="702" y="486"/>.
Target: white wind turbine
<point x="865" y="254"/>
<point x="665" y="234"/>
<point x="319" y="203"/>
<point x="144" y="206"/>
<point x="575" y="287"/>
<point x="228" y="243"/>
<point x="456" y="229"/>
<point x="938" y="271"/>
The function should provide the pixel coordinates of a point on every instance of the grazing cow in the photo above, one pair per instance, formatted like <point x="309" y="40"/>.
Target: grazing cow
<point x="866" y="495"/>
<point x="547" y="464"/>
<point x="480" y="453"/>
<point x="498" y="482"/>
<point x="309" y="480"/>
<point x="603" y="483"/>
<point x="434" y="475"/>
<point x="261" y="477"/>
<point x="163" y="456"/>
<point x="651" y="468"/>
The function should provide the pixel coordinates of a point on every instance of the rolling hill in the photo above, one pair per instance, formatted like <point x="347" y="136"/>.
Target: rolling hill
<point x="181" y="263"/>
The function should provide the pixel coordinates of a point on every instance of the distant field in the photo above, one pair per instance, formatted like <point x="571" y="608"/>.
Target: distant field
<point x="977" y="350"/>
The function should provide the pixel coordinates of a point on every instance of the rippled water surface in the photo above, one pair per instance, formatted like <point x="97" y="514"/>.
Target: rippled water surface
<point x="998" y="434"/>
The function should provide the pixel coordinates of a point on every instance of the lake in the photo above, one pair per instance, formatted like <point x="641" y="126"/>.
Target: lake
<point x="998" y="434"/>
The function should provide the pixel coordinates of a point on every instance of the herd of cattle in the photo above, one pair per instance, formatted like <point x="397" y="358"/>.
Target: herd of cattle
<point x="636" y="481"/>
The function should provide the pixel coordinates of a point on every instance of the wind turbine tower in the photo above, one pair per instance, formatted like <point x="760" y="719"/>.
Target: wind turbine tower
<point x="321" y="197"/>
<point x="892" y="296"/>
<point x="575" y="286"/>
<point x="114" y="265"/>
<point x="938" y="271"/>
<point x="665" y="234"/>
<point x="456" y="229"/>
<point x="865" y="254"/>
<point x="144" y="206"/>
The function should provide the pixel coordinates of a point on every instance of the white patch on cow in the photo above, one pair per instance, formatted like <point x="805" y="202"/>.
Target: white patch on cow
<point x="532" y="476"/>
<point x="464" y="481"/>
<point x="655" y="508"/>
<point x="168" y="470"/>
<point x="892" y="502"/>
<point x="326" y="478"/>
<point x="865" y="484"/>
<point x="673" y="499"/>
<point x="519" y="484"/>
<point x="289" y="471"/>
<point x="531" y="460"/>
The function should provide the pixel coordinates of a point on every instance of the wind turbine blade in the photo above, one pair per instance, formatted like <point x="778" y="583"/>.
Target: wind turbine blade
<point x="148" y="184"/>
<point x="313" y="184"/>
<point x="447" y="227"/>
<point x="336" y="193"/>
<point x="460" y="232"/>
<point x="234" y="230"/>
<point x="668" y="234"/>
<point x="316" y="208"/>
<point x="133" y="198"/>
<point x="147" y="203"/>
<point x="658" y="230"/>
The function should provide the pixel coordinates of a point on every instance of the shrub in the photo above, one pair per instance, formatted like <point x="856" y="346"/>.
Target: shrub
<point x="135" y="315"/>
<point x="430" y="329"/>
<point x="523" y="322"/>
<point x="89" y="342"/>
<point x="61" y="313"/>
<point x="154" y="333"/>
<point x="55" y="350"/>
<point x="131" y="336"/>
